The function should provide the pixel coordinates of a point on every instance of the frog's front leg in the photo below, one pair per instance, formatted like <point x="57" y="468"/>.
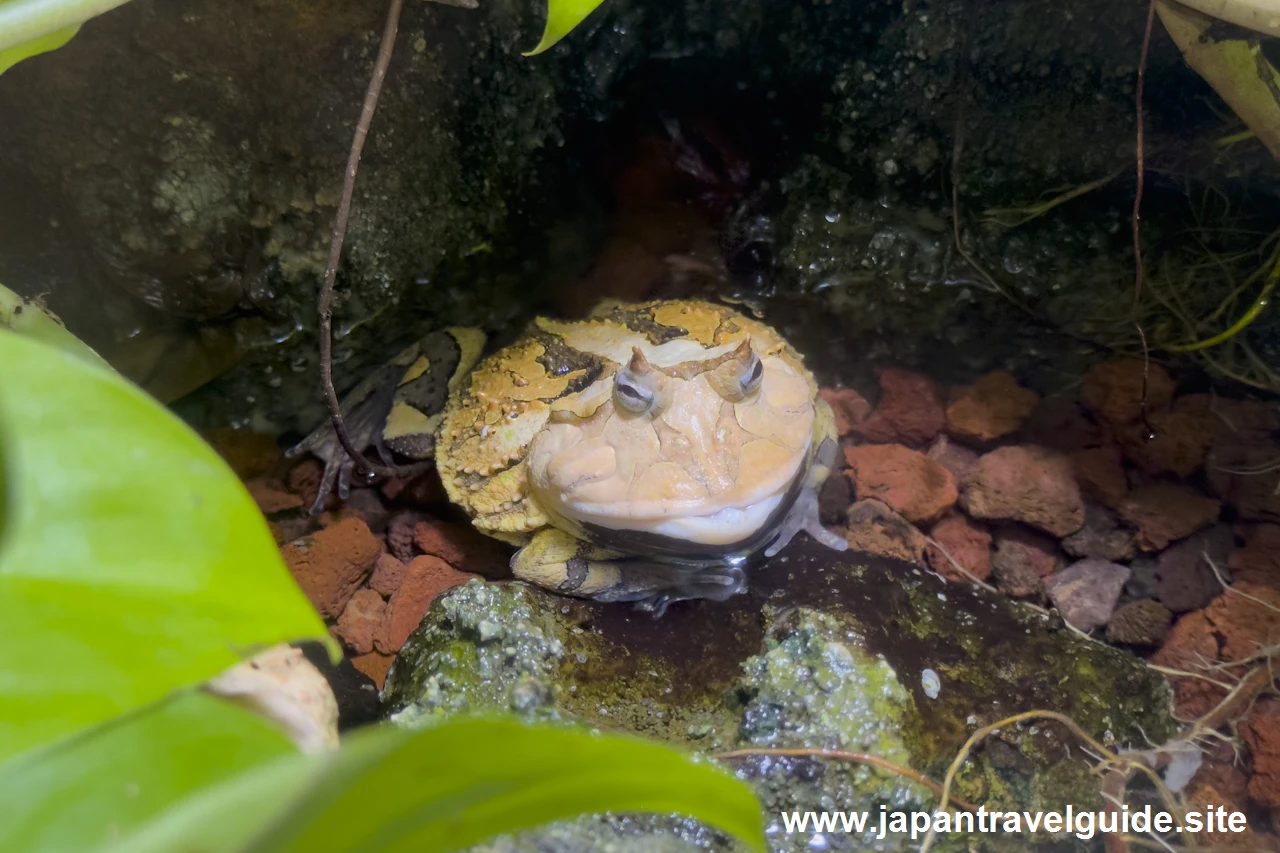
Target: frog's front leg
<point x="557" y="561"/>
<point x="804" y="514"/>
<point x="396" y="408"/>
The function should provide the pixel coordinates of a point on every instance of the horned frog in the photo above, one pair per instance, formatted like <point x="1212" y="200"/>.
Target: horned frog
<point x="642" y="454"/>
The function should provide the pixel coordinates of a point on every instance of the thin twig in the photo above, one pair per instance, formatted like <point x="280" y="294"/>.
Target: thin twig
<point x="325" y="305"/>
<point x="963" y="754"/>
<point x="1217" y="573"/>
<point x="1137" y="216"/>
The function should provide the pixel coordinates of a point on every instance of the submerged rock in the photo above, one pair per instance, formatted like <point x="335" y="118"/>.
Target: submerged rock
<point x="832" y="651"/>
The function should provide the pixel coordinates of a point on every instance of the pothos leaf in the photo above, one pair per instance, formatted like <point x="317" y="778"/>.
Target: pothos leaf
<point x="562" y="17"/>
<point x="132" y="560"/>
<point x="11" y="56"/>
<point x="446" y="788"/>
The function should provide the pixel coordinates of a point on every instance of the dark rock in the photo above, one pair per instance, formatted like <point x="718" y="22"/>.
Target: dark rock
<point x="1116" y="390"/>
<point x="874" y="528"/>
<point x="1186" y="580"/>
<point x="357" y="695"/>
<point x="1166" y="512"/>
<point x="1140" y="623"/>
<point x="1086" y="592"/>
<point x="909" y="410"/>
<point x="956" y="458"/>
<point x="1024" y="483"/>
<point x="1023" y="558"/>
<point x="1016" y="578"/>
<point x="1100" y="473"/>
<point x="1102" y="537"/>
<point x="1060" y="425"/>
<point x="1144" y="580"/>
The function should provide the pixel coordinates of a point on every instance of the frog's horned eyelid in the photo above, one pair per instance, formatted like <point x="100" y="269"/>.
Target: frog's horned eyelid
<point x="639" y="365"/>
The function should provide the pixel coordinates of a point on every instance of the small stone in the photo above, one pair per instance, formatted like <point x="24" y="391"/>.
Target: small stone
<point x="1028" y="484"/>
<point x="1186" y="580"/>
<point x="367" y="505"/>
<point x="1230" y="470"/>
<point x="994" y="406"/>
<point x="1191" y="646"/>
<point x="1245" y="618"/>
<point x="956" y="458"/>
<point x="1023" y="558"/>
<point x="1100" y="473"/>
<point x="1144" y="580"/>
<point x="462" y="547"/>
<point x="1261" y="731"/>
<point x="331" y="565"/>
<point x="1204" y="797"/>
<point x="1016" y="578"/>
<point x="1060" y="425"/>
<point x="1140" y="623"/>
<point x="1113" y="390"/>
<point x="847" y="406"/>
<point x="905" y="479"/>
<point x="1243" y="422"/>
<point x="304" y="478"/>
<point x="1086" y="592"/>
<point x="1258" y="561"/>
<point x="285" y="530"/>
<point x="1101" y="537"/>
<point x="424" y="578"/>
<point x="388" y="572"/>
<point x="1178" y="446"/>
<point x="968" y="543"/>
<point x="874" y="528"/>
<point x="1167" y="512"/>
<point x="375" y="665"/>
<point x="400" y="537"/>
<point x="361" y="620"/>
<point x="909" y="412"/>
<point x="270" y="498"/>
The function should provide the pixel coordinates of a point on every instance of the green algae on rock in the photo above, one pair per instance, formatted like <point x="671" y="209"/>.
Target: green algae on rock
<point x="826" y="651"/>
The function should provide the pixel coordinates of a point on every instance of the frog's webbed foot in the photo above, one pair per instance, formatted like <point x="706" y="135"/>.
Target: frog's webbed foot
<point x="396" y="408"/>
<point x="364" y="415"/>
<point x="714" y="583"/>
<point x="804" y="514"/>
<point x="557" y="561"/>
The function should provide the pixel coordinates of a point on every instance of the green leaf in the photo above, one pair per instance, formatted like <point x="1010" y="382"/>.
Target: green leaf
<point x="132" y="562"/>
<point x="120" y="777"/>
<point x="453" y="785"/>
<point x="28" y="317"/>
<point x="392" y="791"/>
<point x="11" y="56"/>
<point x="562" y="17"/>
<point x="30" y="26"/>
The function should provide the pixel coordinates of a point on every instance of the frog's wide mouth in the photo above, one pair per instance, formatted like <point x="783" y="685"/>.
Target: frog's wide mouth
<point x="702" y="523"/>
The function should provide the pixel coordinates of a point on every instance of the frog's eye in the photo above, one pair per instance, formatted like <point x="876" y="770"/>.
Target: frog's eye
<point x="752" y="375"/>
<point x="739" y="375"/>
<point x="637" y="388"/>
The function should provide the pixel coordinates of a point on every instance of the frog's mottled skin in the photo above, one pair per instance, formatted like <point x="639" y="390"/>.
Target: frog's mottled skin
<point x="638" y="455"/>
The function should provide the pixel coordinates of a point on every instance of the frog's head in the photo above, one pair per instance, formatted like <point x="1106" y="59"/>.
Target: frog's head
<point x="680" y="439"/>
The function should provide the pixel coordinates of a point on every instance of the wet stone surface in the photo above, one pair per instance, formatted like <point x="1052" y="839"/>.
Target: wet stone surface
<point x="825" y="651"/>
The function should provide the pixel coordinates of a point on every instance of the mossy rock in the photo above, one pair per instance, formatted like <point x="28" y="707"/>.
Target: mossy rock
<point x="828" y="651"/>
